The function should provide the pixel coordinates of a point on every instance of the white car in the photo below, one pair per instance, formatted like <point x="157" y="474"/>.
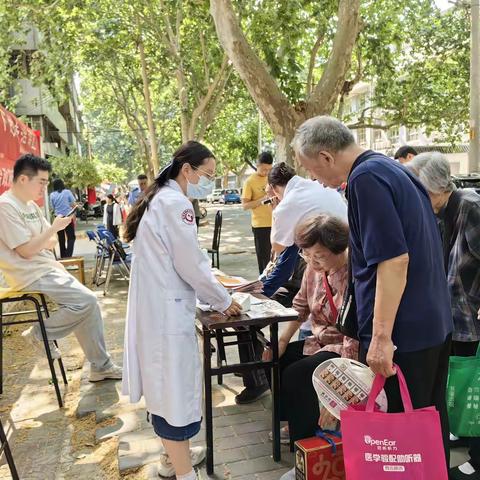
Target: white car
<point x="214" y="197"/>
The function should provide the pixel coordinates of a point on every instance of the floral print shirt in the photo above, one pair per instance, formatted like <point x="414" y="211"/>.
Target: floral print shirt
<point x="312" y="303"/>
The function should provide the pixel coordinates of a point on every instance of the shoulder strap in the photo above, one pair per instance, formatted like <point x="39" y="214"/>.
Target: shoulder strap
<point x="328" y="291"/>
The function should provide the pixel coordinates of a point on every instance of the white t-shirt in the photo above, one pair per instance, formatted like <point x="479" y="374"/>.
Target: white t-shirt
<point x="19" y="223"/>
<point x="302" y="199"/>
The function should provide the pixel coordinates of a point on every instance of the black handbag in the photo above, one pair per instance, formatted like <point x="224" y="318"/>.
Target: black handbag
<point x="347" y="322"/>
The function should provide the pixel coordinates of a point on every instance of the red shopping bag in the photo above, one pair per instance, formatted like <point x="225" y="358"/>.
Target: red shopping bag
<point x="378" y="446"/>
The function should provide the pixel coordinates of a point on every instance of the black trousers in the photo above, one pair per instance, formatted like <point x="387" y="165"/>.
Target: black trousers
<point x="252" y="350"/>
<point x="263" y="247"/>
<point x="426" y="374"/>
<point x="469" y="349"/>
<point x="298" y="399"/>
<point x="66" y="241"/>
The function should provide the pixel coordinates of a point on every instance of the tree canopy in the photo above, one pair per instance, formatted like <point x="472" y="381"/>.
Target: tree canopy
<point x="154" y="74"/>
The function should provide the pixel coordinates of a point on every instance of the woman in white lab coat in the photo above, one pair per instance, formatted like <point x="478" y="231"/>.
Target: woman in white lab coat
<point x="161" y="358"/>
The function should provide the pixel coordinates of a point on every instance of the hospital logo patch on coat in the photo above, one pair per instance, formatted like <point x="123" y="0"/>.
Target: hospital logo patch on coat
<point x="188" y="216"/>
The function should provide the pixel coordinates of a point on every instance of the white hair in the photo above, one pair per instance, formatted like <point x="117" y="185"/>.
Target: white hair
<point x="433" y="170"/>
<point x="321" y="133"/>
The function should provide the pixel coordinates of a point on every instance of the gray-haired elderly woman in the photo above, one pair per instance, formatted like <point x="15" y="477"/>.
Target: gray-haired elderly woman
<point x="459" y="211"/>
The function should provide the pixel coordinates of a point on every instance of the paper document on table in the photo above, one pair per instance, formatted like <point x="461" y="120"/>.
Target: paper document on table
<point x="238" y="284"/>
<point x="270" y="308"/>
<point x="230" y="281"/>
<point x="250" y="287"/>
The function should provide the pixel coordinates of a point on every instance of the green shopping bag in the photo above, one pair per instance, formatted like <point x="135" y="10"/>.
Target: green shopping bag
<point x="463" y="395"/>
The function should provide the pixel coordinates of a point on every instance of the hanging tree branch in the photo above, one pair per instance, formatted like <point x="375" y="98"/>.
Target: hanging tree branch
<point x="313" y="57"/>
<point x="325" y="94"/>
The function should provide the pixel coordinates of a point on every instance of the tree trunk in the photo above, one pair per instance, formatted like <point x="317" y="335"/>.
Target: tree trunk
<point x="282" y="117"/>
<point x="154" y="162"/>
<point x="274" y="105"/>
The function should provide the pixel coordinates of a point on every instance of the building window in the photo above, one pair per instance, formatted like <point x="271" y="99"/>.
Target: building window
<point x="21" y="62"/>
<point x="394" y="135"/>
<point x="412" y="134"/>
<point x="378" y="138"/>
<point x="362" y="136"/>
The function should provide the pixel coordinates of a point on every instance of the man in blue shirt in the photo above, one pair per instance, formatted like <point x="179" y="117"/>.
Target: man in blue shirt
<point x="138" y="191"/>
<point x="403" y="305"/>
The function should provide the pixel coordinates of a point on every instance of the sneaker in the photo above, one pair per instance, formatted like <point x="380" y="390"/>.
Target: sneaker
<point x="38" y="345"/>
<point x="250" y="395"/>
<point x="290" y="475"/>
<point x="284" y="436"/>
<point x="165" y="467"/>
<point x="464" y="472"/>
<point x="112" y="373"/>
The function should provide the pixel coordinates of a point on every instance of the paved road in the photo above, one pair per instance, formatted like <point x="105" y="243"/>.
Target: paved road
<point x="237" y="251"/>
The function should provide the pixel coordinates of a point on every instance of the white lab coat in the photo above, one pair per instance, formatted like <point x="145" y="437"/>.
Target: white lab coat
<point x="117" y="214"/>
<point x="161" y="358"/>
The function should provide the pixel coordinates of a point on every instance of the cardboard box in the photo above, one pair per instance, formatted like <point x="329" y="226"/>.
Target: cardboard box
<point x="315" y="460"/>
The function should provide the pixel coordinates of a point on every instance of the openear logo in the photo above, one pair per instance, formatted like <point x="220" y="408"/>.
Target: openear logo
<point x="382" y="443"/>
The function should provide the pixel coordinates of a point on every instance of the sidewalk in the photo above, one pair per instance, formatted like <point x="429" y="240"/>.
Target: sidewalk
<point x="242" y="447"/>
<point x="99" y="435"/>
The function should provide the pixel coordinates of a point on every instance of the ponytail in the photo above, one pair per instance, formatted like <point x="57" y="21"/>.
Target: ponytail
<point x="280" y="175"/>
<point x="193" y="153"/>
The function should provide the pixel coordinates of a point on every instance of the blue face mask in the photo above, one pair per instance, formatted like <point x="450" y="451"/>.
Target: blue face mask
<point x="201" y="189"/>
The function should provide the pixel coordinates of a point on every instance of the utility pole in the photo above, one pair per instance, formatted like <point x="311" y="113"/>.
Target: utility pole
<point x="474" y="150"/>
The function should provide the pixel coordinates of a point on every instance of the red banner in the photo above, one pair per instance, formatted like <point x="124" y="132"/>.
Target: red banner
<point x="16" y="139"/>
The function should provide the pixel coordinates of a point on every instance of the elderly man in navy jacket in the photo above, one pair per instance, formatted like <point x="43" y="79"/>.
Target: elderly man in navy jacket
<point x="403" y="304"/>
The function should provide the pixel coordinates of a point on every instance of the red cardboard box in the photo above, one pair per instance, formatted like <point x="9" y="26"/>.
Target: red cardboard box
<point x="315" y="460"/>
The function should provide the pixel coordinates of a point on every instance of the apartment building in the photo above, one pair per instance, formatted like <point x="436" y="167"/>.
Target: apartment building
<point x="388" y="141"/>
<point x="60" y="125"/>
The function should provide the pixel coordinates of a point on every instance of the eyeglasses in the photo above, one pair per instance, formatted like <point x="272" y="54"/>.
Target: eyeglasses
<point x="308" y="258"/>
<point x="210" y="176"/>
<point x="42" y="181"/>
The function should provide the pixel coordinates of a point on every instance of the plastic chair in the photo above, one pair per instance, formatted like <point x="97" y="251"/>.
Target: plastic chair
<point x="101" y="255"/>
<point x="117" y="258"/>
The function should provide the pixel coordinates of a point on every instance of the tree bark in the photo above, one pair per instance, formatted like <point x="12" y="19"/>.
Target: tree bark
<point x="280" y="114"/>
<point x="324" y="96"/>
<point x="274" y="105"/>
<point x="155" y="164"/>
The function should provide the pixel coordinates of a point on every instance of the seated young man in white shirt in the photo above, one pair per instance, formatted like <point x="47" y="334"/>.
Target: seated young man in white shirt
<point x="27" y="263"/>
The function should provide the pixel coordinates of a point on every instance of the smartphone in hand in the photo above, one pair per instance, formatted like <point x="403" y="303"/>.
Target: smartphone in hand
<point x="71" y="212"/>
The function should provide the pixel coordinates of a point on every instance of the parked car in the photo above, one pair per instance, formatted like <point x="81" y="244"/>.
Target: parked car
<point x="214" y="197"/>
<point x="231" y="195"/>
<point x="470" y="180"/>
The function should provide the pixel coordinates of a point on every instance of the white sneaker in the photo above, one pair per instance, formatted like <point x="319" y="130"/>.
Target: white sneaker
<point x="290" y="475"/>
<point x="165" y="467"/>
<point x="113" y="373"/>
<point x="197" y="454"/>
<point x="38" y="345"/>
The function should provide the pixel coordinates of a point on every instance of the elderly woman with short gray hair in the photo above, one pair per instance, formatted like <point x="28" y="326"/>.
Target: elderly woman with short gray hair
<point x="459" y="212"/>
